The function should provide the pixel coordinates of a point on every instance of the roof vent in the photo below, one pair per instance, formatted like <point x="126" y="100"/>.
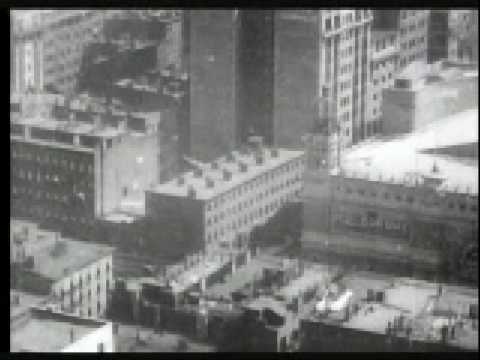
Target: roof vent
<point x="214" y="165"/>
<point x="243" y="167"/>
<point x="198" y="173"/>
<point x="259" y="159"/>
<point x="209" y="183"/>
<point x="191" y="192"/>
<point x="435" y="168"/>
<point x="180" y="180"/>
<point x="230" y="157"/>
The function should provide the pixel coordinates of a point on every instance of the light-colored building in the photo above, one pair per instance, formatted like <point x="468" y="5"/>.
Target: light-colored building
<point x="76" y="275"/>
<point x="418" y="191"/>
<point x="43" y="330"/>
<point x="221" y="202"/>
<point x="79" y="162"/>
<point x="48" y="47"/>
<point x="423" y="93"/>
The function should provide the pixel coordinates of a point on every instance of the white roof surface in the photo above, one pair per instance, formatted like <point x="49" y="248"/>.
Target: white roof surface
<point x="400" y="157"/>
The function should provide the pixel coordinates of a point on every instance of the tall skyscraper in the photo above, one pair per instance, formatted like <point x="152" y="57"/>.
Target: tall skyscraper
<point x="321" y="54"/>
<point x="263" y="72"/>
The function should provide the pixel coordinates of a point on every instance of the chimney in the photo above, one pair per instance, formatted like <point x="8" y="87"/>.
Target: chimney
<point x="227" y="175"/>
<point x="180" y="180"/>
<point x="274" y="153"/>
<point x="259" y="159"/>
<point x="72" y="336"/>
<point x="242" y="166"/>
<point x="209" y="183"/>
<point x="230" y="157"/>
<point x="214" y="165"/>
<point x="191" y="192"/>
<point x="198" y="173"/>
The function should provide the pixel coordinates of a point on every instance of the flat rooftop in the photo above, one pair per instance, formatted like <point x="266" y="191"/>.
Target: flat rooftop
<point x="54" y="260"/>
<point x="48" y="332"/>
<point x="25" y="302"/>
<point x="203" y="192"/>
<point x="415" y="300"/>
<point x="373" y="158"/>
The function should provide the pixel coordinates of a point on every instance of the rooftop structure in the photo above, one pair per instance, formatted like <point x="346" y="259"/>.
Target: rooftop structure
<point x="46" y="331"/>
<point x="21" y="302"/>
<point x="416" y="303"/>
<point x="414" y="155"/>
<point x="227" y="172"/>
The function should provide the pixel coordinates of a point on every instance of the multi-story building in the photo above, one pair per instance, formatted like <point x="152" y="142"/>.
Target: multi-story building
<point x="412" y="31"/>
<point x="424" y="93"/>
<point x="335" y="64"/>
<point x="48" y="47"/>
<point x="218" y="204"/>
<point x="81" y="163"/>
<point x="420" y="203"/>
<point x="385" y="55"/>
<point x="42" y="330"/>
<point x="448" y="31"/>
<point x="247" y="77"/>
<point x="75" y="275"/>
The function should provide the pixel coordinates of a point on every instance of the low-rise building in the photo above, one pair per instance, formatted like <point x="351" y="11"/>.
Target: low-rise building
<point x="76" y="276"/>
<point x="424" y="93"/>
<point x="217" y="204"/>
<point x="43" y="330"/>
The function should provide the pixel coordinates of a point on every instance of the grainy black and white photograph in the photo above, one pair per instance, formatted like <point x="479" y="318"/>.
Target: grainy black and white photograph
<point x="243" y="180"/>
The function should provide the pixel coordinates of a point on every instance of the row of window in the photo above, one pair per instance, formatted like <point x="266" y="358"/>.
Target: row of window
<point x="408" y="198"/>
<point x="48" y="177"/>
<point x="254" y="184"/>
<point x="248" y="219"/>
<point x="54" y="159"/>
<point x="51" y="213"/>
<point x="244" y="205"/>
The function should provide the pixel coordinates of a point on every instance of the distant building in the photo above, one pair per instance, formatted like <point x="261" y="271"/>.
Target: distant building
<point x="398" y="194"/>
<point x="385" y="59"/>
<point x="219" y="203"/>
<point x="48" y="47"/>
<point x="412" y="32"/>
<point x="42" y="330"/>
<point x="75" y="275"/>
<point x="424" y="93"/>
<point x="81" y="163"/>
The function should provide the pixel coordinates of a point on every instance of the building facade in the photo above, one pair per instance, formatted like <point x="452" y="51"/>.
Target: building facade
<point x="81" y="164"/>
<point x="219" y="204"/>
<point x="44" y="55"/>
<point x="384" y="65"/>
<point x="424" y="93"/>
<point x="335" y="64"/>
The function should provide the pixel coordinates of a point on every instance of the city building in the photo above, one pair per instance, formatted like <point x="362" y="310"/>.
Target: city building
<point x="44" y="55"/>
<point x="218" y="204"/>
<point x="80" y="163"/>
<point x="368" y="312"/>
<point x="398" y="199"/>
<point x="211" y="55"/>
<point x="448" y="33"/>
<point x="74" y="276"/>
<point x="385" y="56"/>
<point x="411" y="27"/>
<point x="335" y="64"/>
<point x="42" y="330"/>
<point x="246" y="77"/>
<point x="424" y="93"/>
